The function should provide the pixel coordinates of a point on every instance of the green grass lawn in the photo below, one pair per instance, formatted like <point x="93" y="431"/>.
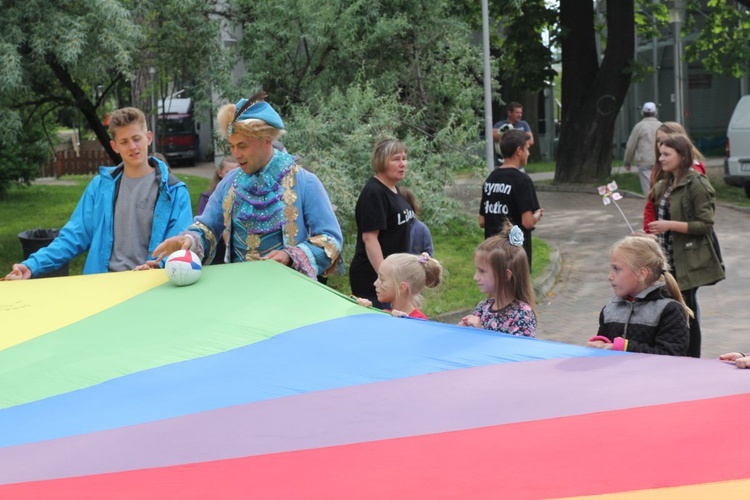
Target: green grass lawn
<point x="628" y="182"/>
<point x="728" y="194"/>
<point x="540" y="166"/>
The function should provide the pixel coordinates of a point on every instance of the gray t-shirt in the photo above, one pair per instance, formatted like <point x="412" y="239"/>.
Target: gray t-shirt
<point x="134" y="215"/>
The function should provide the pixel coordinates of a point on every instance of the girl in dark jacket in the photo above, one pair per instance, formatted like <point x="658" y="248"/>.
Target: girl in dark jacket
<point x="647" y="313"/>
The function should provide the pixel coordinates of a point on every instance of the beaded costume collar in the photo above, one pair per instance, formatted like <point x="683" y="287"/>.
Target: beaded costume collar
<point x="263" y="202"/>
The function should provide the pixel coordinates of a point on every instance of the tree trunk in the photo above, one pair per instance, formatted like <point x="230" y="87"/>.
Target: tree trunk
<point x="530" y="101"/>
<point x="139" y="95"/>
<point x="88" y="109"/>
<point x="592" y="94"/>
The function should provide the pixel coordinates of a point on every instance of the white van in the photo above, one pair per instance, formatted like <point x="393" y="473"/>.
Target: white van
<point x="737" y="162"/>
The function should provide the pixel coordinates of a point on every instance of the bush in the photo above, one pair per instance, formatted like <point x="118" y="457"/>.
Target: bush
<point x="23" y="154"/>
<point x="334" y="138"/>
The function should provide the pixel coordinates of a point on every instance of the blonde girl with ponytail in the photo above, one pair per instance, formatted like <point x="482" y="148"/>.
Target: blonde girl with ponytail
<point x="647" y="313"/>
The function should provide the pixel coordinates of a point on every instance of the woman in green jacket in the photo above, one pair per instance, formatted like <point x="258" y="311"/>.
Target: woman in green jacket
<point x="685" y="203"/>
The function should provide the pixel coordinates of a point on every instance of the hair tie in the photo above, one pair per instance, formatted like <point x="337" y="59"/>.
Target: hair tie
<point x="422" y="259"/>
<point x="515" y="236"/>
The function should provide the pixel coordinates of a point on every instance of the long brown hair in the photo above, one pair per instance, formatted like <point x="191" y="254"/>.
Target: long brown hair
<point x="411" y="199"/>
<point x="498" y="252"/>
<point x="657" y="173"/>
<point x="684" y="148"/>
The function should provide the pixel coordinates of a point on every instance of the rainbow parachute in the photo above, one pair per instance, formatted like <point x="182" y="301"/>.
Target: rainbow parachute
<point x="257" y="382"/>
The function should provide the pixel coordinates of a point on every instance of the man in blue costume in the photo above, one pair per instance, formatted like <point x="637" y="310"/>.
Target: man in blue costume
<point x="269" y="208"/>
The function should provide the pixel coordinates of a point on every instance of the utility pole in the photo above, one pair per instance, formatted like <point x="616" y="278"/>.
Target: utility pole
<point x="154" y="111"/>
<point x="489" y="142"/>
<point x="676" y="16"/>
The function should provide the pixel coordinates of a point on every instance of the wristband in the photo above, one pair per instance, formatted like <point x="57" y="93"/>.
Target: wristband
<point x="620" y="344"/>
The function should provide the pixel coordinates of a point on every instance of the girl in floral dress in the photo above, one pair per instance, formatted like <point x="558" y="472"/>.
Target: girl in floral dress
<point x="502" y="273"/>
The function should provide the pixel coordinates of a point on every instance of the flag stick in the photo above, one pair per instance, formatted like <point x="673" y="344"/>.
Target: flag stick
<point x="623" y="216"/>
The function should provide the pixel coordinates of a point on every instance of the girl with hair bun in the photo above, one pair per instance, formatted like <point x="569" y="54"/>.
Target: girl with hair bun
<point x="401" y="279"/>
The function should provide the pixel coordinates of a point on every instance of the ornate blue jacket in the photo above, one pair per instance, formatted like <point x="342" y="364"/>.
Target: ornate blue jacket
<point x="280" y="207"/>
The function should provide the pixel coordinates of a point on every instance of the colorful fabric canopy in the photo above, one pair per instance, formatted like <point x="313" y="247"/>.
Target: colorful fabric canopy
<point x="257" y="382"/>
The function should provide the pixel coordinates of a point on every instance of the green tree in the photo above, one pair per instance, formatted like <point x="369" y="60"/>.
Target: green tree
<point x="594" y="88"/>
<point x="54" y="53"/>
<point x="22" y="156"/>
<point x="335" y="135"/>
<point x="348" y="73"/>
<point x="722" y="42"/>
<point x="525" y="60"/>
<point x="58" y="54"/>
<point x="181" y="41"/>
<point x="416" y="50"/>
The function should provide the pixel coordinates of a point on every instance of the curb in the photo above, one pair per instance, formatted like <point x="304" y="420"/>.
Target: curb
<point x="544" y="283"/>
<point x="737" y="208"/>
<point x="46" y="181"/>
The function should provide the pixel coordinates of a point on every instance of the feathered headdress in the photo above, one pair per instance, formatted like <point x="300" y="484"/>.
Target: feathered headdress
<point x="255" y="108"/>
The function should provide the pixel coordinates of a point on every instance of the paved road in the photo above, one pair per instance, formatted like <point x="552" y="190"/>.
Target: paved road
<point x="583" y="229"/>
<point x="202" y="169"/>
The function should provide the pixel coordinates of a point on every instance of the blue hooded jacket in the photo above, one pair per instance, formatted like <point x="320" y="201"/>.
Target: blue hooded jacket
<point x="91" y="225"/>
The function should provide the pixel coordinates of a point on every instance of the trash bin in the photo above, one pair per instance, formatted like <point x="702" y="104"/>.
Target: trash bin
<point x="34" y="239"/>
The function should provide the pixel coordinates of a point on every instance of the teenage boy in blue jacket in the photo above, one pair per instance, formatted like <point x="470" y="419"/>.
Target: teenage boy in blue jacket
<point x="125" y="212"/>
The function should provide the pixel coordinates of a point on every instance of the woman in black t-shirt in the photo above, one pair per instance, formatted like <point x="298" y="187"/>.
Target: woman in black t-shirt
<point x="383" y="219"/>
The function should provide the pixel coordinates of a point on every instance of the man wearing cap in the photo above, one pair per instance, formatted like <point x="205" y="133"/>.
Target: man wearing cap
<point x="269" y="208"/>
<point x="640" y="148"/>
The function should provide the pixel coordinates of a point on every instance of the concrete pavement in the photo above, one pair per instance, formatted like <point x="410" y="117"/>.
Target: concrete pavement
<point x="583" y="230"/>
<point x="202" y="169"/>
